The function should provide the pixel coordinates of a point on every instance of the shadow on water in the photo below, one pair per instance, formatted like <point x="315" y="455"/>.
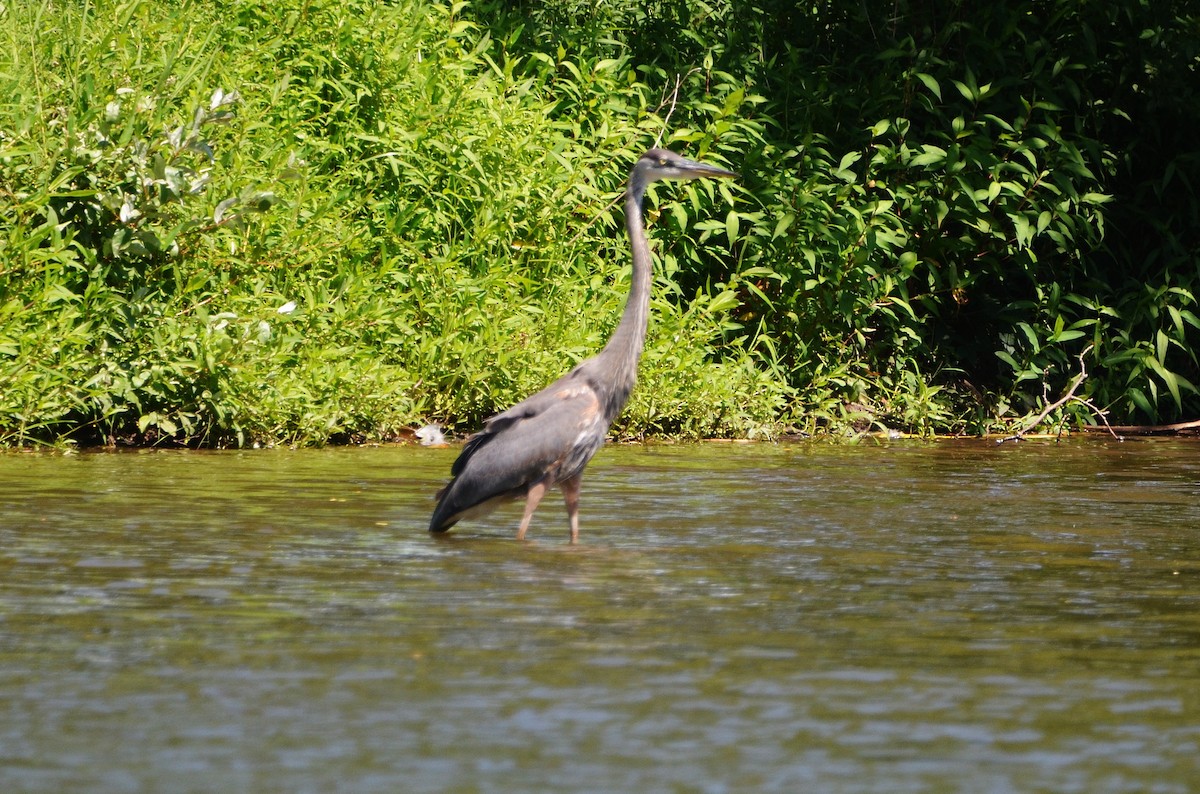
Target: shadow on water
<point x="906" y="617"/>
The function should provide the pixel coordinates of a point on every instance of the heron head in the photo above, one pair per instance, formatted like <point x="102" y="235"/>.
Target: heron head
<point x="664" y="164"/>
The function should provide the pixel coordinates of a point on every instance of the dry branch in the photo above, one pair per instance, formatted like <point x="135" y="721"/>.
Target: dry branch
<point x="1051" y="407"/>
<point x="1175" y="429"/>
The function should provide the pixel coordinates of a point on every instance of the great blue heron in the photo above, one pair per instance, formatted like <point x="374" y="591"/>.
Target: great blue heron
<point x="547" y="439"/>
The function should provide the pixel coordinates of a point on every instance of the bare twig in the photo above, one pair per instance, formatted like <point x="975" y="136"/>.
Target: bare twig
<point x="1103" y="414"/>
<point x="1067" y="397"/>
<point x="674" y="100"/>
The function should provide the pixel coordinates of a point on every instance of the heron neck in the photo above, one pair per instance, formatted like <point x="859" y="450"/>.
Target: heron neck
<point x="625" y="347"/>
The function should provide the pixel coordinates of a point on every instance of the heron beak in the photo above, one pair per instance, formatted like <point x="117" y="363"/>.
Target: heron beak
<point x="698" y="170"/>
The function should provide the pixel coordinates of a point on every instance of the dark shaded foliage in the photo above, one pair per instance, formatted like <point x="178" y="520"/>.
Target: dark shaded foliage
<point x="1062" y="214"/>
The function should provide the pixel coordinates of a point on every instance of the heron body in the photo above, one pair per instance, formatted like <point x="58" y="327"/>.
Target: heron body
<point x="547" y="439"/>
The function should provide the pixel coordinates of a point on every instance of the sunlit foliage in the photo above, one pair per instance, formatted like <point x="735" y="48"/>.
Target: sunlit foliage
<point x="304" y="221"/>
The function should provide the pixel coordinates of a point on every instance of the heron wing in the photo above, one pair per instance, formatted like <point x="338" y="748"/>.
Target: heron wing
<point x="550" y="434"/>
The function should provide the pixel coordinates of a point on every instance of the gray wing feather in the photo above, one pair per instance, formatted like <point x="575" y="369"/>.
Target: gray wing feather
<point x="538" y="437"/>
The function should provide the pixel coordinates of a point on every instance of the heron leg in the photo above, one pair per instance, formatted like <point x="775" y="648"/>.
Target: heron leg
<point x="534" y="495"/>
<point x="570" y="488"/>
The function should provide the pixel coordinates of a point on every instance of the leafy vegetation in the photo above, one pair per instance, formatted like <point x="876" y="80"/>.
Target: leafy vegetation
<point x="306" y="221"/>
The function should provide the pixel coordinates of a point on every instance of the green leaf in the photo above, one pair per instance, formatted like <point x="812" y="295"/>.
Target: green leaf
<point x="195" y="282"/>
<point x="1029" y="333"/>
<point x="1169" y="378"/>
<point x="966" y="91"/>
<point x="931" y="84"/>
<point x="930" y="155"/>
<point x="760" y="272"/>
<point x="1066" y="336"/>
<point x="903" y="304"/>
<point x="762" y="296"/>
<point x="1024" y="234"/>
<point x="785" y="221"/>
<point x="1143" y="404"/>
<point x="1190" y="318"/>
<point x="680" y="215"/>
<point x="724" y="301"/>
<point x="843" y="171"/>
<point x="1176" y="319"/>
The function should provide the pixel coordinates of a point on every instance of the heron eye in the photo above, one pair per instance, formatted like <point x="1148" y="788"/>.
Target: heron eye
<point x="662" y="161"/>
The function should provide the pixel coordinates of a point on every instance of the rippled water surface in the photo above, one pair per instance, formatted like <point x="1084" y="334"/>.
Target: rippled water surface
<point x="899" y="618"/>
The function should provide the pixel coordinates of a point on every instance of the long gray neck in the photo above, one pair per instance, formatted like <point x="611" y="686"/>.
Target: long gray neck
<point x="619" y="359"/>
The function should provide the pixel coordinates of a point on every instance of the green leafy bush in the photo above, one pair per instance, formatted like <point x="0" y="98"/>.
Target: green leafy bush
<point x="952" y="200"/>
<point x="344" y="220"/>
<point x="308" y="221"/>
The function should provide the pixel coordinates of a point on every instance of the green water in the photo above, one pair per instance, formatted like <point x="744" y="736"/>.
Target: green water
<point x="899" y="618"/>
